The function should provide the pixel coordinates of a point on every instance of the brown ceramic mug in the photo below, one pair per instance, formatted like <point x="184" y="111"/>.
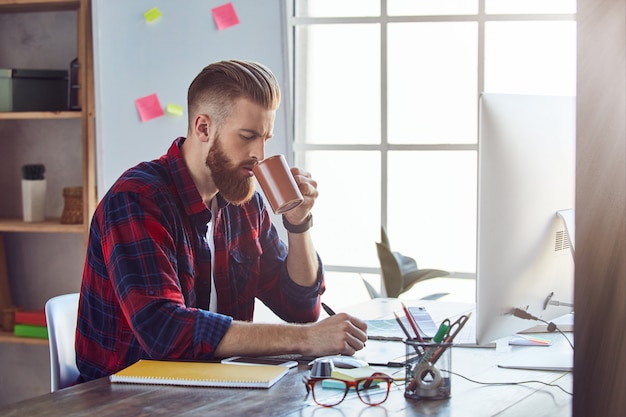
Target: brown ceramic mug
<point x="279" y="186"/>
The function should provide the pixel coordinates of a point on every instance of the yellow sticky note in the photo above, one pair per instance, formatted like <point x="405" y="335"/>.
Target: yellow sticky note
<point x="152" y="14"/>
<point x="174" y="109"/>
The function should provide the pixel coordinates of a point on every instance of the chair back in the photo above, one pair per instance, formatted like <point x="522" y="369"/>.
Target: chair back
<point x="61" y="317"/>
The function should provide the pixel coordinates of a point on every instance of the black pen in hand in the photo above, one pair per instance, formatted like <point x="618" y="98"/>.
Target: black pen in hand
<point x="328" y="310"/>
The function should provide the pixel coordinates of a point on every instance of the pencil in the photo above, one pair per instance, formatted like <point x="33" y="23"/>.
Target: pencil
<point x="411" y="321"/>
<point x="404" y="330"/>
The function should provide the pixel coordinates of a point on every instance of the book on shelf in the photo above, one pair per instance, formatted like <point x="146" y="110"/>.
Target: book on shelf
<point x="33" y="317"/>
<point x="30" y="330"/>
<point x="203" y="374"/>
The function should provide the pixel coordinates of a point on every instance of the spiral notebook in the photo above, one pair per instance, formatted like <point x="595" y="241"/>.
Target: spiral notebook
<point x="201" y="374"/>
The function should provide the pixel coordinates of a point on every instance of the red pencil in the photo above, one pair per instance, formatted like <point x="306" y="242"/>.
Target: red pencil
<point x="411" y="321"/>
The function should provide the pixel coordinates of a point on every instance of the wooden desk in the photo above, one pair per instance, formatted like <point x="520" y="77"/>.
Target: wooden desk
<point x="287" y="397"/>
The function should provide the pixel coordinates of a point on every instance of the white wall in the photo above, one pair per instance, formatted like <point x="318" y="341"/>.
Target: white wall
<point x="133" y="58"/>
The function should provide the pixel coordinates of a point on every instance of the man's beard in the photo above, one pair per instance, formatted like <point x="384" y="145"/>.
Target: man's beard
<point x="234" y="187"/>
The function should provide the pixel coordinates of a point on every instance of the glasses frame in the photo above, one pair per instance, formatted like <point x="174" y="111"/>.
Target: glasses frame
<point x="379" y="376"/>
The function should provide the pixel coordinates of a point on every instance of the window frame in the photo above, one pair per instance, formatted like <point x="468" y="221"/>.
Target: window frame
<point x="384" y="147"/>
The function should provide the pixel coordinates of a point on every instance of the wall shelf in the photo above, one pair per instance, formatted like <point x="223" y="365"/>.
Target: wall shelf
<point x="19" y="6"/>
<point x="8" y="337"/>
<point x="19" y="124"/>
<point x="48" y="226"/>
<point x="33" y="115"/>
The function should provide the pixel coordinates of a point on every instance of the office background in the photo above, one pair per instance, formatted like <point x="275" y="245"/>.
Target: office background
<point x="601" y="269"/>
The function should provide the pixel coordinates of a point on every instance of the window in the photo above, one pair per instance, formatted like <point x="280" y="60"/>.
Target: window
<point x="385" y="100"/>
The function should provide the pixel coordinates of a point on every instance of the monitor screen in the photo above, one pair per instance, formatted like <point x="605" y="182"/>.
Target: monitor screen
<point x="526" y="176"/>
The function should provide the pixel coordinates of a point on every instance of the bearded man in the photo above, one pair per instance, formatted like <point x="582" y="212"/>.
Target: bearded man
<point x="180" y="247"/>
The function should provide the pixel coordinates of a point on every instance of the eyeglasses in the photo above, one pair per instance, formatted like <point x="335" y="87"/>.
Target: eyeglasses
<point x="329" y="392"/>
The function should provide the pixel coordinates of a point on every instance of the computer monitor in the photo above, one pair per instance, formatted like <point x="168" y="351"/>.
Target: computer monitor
<point x="526" y="183"/>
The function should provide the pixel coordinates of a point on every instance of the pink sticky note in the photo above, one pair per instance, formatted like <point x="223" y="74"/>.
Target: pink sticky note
<point x="225" y="16"/>
<point x="149" y="107"/>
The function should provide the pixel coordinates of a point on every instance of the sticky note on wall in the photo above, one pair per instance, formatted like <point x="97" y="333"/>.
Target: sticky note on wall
<point x="152" y="14"/>
<point x="149" y="107"/>
<point x="174" y="109"/>
<point x="225" y="16"/>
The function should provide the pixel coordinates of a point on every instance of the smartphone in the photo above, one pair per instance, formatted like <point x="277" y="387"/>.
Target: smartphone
<point x="262" y="360"/>
<point x="425" y="323"/>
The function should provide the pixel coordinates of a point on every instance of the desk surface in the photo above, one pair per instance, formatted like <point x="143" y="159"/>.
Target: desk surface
<point x="287" y="397"/>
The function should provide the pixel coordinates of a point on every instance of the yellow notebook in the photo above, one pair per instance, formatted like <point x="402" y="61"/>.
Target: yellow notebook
<point x="204" y="374"/>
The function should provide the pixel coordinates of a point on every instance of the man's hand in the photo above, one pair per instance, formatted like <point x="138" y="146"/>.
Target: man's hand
<point x="308" y="188"/>
<point x="338" y="334"/>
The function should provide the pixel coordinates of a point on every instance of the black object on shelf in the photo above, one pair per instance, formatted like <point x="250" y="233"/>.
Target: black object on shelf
<point x="73" y="87"/>
<point x="33" y="90"/>
<point x="33" y="171"/>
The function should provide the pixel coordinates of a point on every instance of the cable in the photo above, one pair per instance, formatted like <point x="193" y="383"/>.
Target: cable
<point x="508" y="383"/>
<point x="519" y="313"/>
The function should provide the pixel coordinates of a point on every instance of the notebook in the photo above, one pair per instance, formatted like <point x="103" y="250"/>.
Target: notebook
<point x="203" y="374"/>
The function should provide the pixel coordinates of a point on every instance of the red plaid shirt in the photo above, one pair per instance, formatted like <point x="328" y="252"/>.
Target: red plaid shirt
<point x="147" y="275"/>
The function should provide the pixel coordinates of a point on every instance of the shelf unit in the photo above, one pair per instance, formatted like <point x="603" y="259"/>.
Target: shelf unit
<point x="86" y="116"/>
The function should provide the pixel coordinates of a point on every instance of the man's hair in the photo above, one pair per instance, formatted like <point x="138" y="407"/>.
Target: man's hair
<point x="218" y="85"/>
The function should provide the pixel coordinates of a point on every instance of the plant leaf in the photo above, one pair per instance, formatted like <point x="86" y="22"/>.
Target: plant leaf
<point x="370" y="289"/>
<point x="413" y="277"/>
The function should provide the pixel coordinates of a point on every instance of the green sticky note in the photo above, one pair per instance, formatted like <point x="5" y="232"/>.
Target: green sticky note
<point x="174" y="109"/>
<point x="152" y="14"/>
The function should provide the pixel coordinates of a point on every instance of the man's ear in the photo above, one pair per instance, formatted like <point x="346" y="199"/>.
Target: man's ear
<point x="202" y="127"/>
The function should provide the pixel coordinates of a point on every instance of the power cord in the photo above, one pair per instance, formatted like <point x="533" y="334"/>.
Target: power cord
<point x="519" y="313"/>
<point x="508" y="383"/>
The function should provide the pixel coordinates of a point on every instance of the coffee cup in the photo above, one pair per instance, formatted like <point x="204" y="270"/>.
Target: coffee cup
<point x="278" y="185"/>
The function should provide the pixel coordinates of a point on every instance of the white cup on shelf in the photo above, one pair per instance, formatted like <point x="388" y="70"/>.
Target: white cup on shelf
<point x="34" y="200"/>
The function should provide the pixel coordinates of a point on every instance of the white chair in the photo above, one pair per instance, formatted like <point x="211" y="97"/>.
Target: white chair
<point x="61" y="317"/>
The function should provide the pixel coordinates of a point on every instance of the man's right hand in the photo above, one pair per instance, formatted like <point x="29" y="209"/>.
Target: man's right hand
<point x="338" y="334"/>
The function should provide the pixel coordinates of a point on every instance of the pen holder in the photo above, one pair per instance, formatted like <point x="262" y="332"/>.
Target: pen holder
<point x="425" y="366"/>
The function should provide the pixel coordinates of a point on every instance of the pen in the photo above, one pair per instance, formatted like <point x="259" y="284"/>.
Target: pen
<point x="328" y="310"/>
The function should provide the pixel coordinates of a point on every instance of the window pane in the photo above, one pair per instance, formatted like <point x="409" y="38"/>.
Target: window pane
<point x="432" y="208"/>
<point x="347" y="212"/>
<point x="337" y="8"/>
<point x="432" y="83"/>
<point x="338" y="93"/>
<point x="530" y="6"/>
<point x="347" y="288"/>
<point x="530" y="57"/>
<point x="431" y="7"/>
